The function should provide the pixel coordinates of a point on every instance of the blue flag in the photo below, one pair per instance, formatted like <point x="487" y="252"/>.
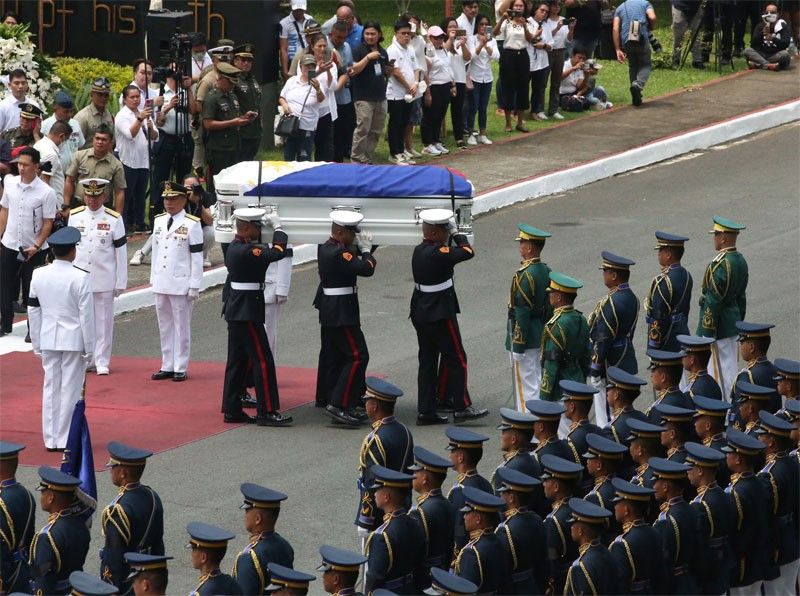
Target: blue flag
<point x="78" y="460"/>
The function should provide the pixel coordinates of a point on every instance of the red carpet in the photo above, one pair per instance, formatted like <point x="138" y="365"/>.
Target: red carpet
<point x="127" y="406"/>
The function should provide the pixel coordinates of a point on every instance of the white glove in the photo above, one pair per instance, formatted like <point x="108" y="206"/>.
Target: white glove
<point x="193" y="294"/>
<point x="363" y="532"/>
<point x="273" y="220"/>
<point x="280" y="299"/>
<point x="364" y="241"/>
<point x="37" y="354"/>
<point x="88" y="356"/>
<point x="117" y="293"/>
<point x="517" y="357"/>
<point x="452" y="226"/>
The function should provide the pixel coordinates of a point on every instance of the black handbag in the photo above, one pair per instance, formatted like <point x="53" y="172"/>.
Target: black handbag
<point x="289" y="124"/>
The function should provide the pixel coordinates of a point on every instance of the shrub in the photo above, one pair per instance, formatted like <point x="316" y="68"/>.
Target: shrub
<point x="18" y="51"/>
<point x="77" y="74"/>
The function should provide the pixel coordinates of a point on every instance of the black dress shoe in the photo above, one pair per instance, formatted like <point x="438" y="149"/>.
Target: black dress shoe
<point x="431" y="419"/>
<point x="470" y="413"/>
<point x="238" y="418"/>
<point x="274" y="419"/>
<point x="248" y="401"/>
<point x="320" y="404"/>
<point x="636" y="95"/>
<point x="341" y="416"/>
<point x="54" y="449"/>
<point x="361" y="416"/>
<point x="179" y="376"/>
<point x="445" y="406"/>
<point x="28" y="337"/>
<point x="162" y="374"/>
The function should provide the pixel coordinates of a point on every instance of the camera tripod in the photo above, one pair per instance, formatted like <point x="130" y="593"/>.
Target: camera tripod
<point x="716" y="42"/>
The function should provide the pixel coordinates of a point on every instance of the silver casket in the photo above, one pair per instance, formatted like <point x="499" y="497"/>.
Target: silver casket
<point x="304" y="194"/>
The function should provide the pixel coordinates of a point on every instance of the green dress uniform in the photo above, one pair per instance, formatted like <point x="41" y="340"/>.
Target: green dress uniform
<point x="18" y="138"/>
<point x="723" y="301"/>
<point x="222" y="146"/>
<point x="565" y="351"/>
<point x="248" y="92"/>
<point x="17" y="517"/>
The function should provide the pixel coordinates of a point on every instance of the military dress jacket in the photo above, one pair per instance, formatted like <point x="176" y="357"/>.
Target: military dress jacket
<point x="432" y="264"/>
<point x="57" y="550"/>
<point x="671" y="397"/>
<point x="482" y="561"/>
<point x="395" y="554"/>
<point x="676" y="526"/>
<point x="552" y="446"/>
<point x="436" y="518"/>
<point x="17" y="519"/>
<point x="781" y="476"/>
<point x="561" y="550"/>
<point x="177" y="257"/>
<point x="456" y="497"/>
<point x="703" y="384"/>
<point x="565" y="351"/>
<point x="101" y="250"/>
<point x="602" y="494"/>
<point x="339" y="268"/>
<point x="714" y="561"/>
<point x="759" y="371"/>
<point x="214" y="583"/>
<point x="522" y="535"/>
<point x="528" y="306"/>
<point x="250" y="568"/>
<point x="248" y="92"/>
<point x="723" y="301"/>
<point x="667" y="308"/>
<point x="221" y="106"/>
<point x="612" y="324"/>
<point x="750" y="530"/>
<point x="591" y="572"/>
<point x="636" y="554"/>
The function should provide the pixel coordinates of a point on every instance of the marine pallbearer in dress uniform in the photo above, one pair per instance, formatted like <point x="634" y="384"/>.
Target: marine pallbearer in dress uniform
<point x="175" y="276"/>
<point x="340" y="570"/>
<point x="528" y="309"/>
<point x="261" y="509"/>
<point x="432" y="511"/>
<point x="604" y="460"/>
<point x="449" y="584"/>
<point x="149" y="573"/>
<point x="343" y="354"/>
<point x="667" y="304"/>
<point x="17" y="519"/>
<point x="695" y="356"/>
<point x="612" y="324"/>
<point x="208" y="545"/>
<point x="781" y="475"/>
<point x="101" y="252"/>
<point x="395" y="551"/>
<point x="434" y="312"/>
<point x="750" y="500"/>
<point x="466" y="451"/>
<point x="522" y="535"/>
<point x="285" y="581"/>
<point x="243" y="308"/>
<point x="709" y="426"/>
<point x="754" y="340"/>
<point x="61" y="318"/>
<point x="61" y="546"/>
<point x="388" y="444"/>
<point x="636" y="551"/>
<point x="723" y="301"/>
<point x="134" y="520"/>
<point x="665" y="375"/>
<point x="714" y="562"/>
<point x="565" y="338"/>
<point x="591" y="572"/>
<point x="482" y="560"/>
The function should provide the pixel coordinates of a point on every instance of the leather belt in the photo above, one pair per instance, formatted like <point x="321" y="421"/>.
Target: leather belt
<point x="398" y="582"/>
<point x="340" y="291"/>
<point x="436" y="287"/>
<point x="239" y="285"/>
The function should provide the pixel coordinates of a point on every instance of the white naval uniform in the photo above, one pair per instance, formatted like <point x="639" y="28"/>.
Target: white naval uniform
<point x="61" y="317"/>
<point x="103" y="254"/>
<point x="177" y="267"/>
<point x="277" y="282"/>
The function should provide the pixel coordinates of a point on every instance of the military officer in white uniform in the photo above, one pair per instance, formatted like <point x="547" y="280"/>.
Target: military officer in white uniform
<point x="277" y="282"/>
<point x="102" y="252"/>
<point x="175" y="276"/>
<point x="61" y="316"/>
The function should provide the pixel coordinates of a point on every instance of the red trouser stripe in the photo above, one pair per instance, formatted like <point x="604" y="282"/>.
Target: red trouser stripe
<point x="461" y="358"/>
<point x="443" y="374"/>
<point x="262" y="364"/>
<point x="356" y="363"/>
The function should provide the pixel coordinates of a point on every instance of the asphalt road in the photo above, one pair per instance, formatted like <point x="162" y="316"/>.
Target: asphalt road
<point x="751" y="181"/>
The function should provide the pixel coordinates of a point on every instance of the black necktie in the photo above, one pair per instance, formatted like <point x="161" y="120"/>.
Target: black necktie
<point x="169" y="224"/>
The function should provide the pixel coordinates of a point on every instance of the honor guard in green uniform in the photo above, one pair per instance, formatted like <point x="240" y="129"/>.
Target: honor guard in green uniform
<point x="134" y="520"/>
<point x="248" y="92"/>
<point x="723" y="301"/>
<point x="750" y="500"/>
<point x="149" y="574"/>
<point x="482" y="560"/>
<point x="667" y="304"/>
<point x="432" y="511"/>
<point x="545" y="429"/>
<point x="612" y="324"/>
<point x="261" y="509"/>
<point x="560" y="478"/>
<point x="61" y="546"/>
<point x="339" y="570"/>
<point x="522" y="535"/>
<point x="577" y="400"/>
<point x="709" y="426"/>
<point x="565" y="338"/>
<point x="17" y="519"/>
<point x="604" y="459"/>
<point x="24" y="135"/>
<point x="466" y="451"/>
<point x="395" y="551"/>
<point x="449" y="584"/>
<point x="208" y="545"/>
<point x="591" y="572"/>
<point x="695" y="356"/>
<point x="665" y="377"/>
<point x="528" y="309"/>
<point x="636" y="552"/>
<point x="644" y="440"/>
<point x="781" y="475"/>
<point x="714" y="562"/>
<point x="285" y="581"/>
<point x="754" y="340"/>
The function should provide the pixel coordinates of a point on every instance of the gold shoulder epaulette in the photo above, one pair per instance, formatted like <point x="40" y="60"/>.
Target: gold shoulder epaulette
<point x="160" y="215"/>
<point x="111" y="212"/>
<point x="77" y="210"/>
<point x="192" y="217"/>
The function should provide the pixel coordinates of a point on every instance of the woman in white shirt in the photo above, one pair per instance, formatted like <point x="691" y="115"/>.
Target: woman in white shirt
<point x="134" y="130"/>
<point x="460" y="56"/>
<point x="400" y="90"/>
<point x="514" y="62"/>
<point x="441" y="87"/>
<point x="560" y="32"/>
<point x="302" y="96"/>
<point x="327" y="76"/>
<point x="540" y="64"/>
<point x="418" y="45"/>
<point x="484" y="52"/>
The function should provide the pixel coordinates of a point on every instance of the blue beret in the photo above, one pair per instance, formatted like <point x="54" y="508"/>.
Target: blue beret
<point x="63" y="99"/>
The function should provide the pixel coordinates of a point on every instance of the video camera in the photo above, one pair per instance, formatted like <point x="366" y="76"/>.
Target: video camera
<point x="174" y="58"/>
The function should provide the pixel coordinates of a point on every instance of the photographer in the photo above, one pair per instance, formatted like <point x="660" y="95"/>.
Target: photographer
<point x="633" y="19"/>
<point x="560" y="33"/>
<point x="301" y="96"/>
<point x="578" y="91"/>
<point x="441" y="87"/>
<point x="401" y="90"/>
<point x="514" y="62"/>
<point x="458" y="44"/>
<point x="768" y="44"/>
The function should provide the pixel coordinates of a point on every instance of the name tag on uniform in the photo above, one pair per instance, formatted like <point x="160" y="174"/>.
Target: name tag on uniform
<point x="378" y="71"/>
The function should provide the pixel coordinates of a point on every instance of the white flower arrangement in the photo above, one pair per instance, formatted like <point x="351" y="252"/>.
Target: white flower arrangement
<point x="18" y="51"/>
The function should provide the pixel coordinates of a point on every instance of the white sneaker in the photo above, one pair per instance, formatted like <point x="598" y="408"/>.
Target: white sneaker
<point x="399" y="160"/>
<point x="442" y="149"/>
<point x="431" y="150"/>
<point x="609" y="105"/>
<point x="599" y="107"/>
<point x="137" y="258"/>
<point x="102" y="371"/>
<point x="484" y="140"/>
<point x="414" y="153"/>
<point x="542" y="116"/>
<point x="472" y="139"/>
<point x="408" y="157"/>
<point x="207" y="262"/>
<point x="558" y="116"/>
